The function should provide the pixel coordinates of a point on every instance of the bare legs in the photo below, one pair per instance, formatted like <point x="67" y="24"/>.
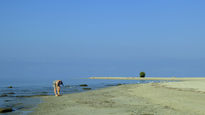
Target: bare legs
<point x="57" y="89"/>
<point x="56" y="85"/>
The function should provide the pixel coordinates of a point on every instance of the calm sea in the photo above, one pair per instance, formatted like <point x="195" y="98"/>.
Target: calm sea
<point x="21" y="99"/>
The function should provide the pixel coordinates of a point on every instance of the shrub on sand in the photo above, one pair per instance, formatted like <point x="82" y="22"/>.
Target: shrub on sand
<point x="142" y="74"/>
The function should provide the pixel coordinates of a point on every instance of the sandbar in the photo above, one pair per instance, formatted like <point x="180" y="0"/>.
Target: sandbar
<point x="167" y="98"/>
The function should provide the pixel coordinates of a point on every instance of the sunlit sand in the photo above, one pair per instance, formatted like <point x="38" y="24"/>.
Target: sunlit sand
<point x="167" y="98"/>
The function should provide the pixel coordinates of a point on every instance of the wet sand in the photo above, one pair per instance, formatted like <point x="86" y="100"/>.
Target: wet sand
<point x="172" y="98"/>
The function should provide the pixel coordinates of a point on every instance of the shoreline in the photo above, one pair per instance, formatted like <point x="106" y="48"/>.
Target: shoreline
<point x="19" y="104"/>
<point x="152" y="78"/>
<point x="178" y="98"/>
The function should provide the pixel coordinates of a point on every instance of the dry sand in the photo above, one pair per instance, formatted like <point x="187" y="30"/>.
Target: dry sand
<point x="153" y="78"/>
<point x="173" y="98"/>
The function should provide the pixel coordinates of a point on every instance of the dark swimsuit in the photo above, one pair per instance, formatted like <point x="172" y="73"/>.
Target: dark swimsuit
<point x="59" y="83"/>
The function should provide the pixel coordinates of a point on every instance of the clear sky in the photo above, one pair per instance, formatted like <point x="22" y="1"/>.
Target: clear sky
<point x="64" y="39"/>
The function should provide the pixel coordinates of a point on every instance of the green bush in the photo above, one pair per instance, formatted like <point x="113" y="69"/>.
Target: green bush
<point x="142" y="74"/>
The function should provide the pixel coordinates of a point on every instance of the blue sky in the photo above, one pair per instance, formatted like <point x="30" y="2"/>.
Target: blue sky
<point x="50" y="39"/>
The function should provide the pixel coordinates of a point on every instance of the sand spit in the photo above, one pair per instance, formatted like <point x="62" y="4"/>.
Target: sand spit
<point x="153" y="78"/>
<point x="171" y="98"/>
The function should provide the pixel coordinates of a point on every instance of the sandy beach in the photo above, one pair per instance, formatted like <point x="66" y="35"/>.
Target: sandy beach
<point x="166" y="98"/>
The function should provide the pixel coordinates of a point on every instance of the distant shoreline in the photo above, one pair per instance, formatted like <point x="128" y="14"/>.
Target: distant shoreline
<point x="152" y="78"/>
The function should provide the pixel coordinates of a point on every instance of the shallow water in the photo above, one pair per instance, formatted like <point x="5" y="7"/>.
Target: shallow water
<point x="19" y="97"/>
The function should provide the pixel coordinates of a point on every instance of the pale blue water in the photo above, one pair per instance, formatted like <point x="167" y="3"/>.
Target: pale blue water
<point x="19" y="98"/>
